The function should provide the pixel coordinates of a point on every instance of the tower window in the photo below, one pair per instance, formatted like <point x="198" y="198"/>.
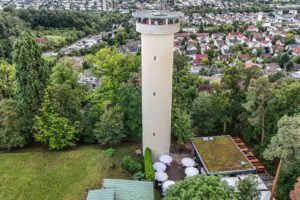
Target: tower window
<point x="154" y="57"/>
<point x="154" y="93"/>
<point x="153" y="134"/>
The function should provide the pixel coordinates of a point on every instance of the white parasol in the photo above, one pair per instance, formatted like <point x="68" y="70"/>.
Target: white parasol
<point x="161" y="176"/>
<point x="165" y="159"/>
<point x="167" y="184"/>
<point x="188" y="162"/>
<point x="159" y="166"/>
<point x="191" y="171"/>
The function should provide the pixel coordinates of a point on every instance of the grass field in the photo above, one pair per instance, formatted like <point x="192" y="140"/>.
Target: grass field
<point x="38" y="174"/>
<point x="221" y="154"/>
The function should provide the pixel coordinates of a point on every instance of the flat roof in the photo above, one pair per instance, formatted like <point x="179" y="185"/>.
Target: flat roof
<point x="101" y="194"/>
<point x="220" y="155"/>
<point x="157" y="14"/>
<point x="129" y="189"/>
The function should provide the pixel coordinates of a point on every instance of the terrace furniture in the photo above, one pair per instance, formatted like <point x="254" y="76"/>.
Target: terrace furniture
<point x="166" y="159"/>
<point x="188" y="162"/>
<point x="159" y="166"/>
<point x="161" y="176"/>
<point x="191" y="171"/>
<point x="166" y="185"/>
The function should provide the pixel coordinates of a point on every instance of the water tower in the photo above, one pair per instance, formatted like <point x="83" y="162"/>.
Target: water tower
<point x="157" y="30"/>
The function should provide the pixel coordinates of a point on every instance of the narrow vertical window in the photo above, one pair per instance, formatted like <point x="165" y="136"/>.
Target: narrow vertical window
<point x="154" y="93"/>
<point x="154" y="57"/>
<point x="153" y="134"/>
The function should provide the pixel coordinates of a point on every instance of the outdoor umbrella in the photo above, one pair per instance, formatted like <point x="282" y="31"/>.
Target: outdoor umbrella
<point x="167" y="184"/>
<point x="188" y="162"/>
<point x="161" y="176"/>
<point x="165" y="159"/>
<point x="159" y="166"/>
<point x="191" y="171"/>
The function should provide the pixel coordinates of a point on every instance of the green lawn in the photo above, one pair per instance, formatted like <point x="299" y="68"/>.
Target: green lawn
<point x="221" y="154"/>
<point x="39" y="174"/>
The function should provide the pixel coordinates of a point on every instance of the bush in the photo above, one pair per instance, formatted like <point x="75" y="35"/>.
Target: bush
<point x="139" y="176"/>
<point x="149" y="171"/>
<point x="131" y="165"/>
<point x="110" y="152"/>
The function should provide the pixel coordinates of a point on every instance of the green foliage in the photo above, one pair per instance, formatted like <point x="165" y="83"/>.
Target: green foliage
<point x="181" y="125"/>
<point x="286" y="143"/>
<point x="110" y="152"/>
<point x="54" y="129"/>
<point x="149" y="171"/>
<point x="110" y="129"/>
<point x="129" y="99"/>
<point x="7" y="83"/>
<point x="247" y="189"/>
<point x="201" y="188"/>
<point x="131" y="165"/>
<point x="203" y="112"/>
<point x="64" y="73"/>
<point x="184" y="83"/>
<point x="257" y="98"/>
<point x="288" y="178"/>
<point x="12" y="133"/>
<point x="31" y="77"/>
<point x="227" y="28"/>
<point x="138" y="176"/>
<point x="290" y="39"/>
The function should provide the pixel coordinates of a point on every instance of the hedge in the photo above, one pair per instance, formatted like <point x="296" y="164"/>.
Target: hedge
<point x="149" y="171"/>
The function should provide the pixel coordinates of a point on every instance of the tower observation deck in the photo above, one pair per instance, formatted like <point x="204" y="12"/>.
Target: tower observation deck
<point x="157" y="30"/>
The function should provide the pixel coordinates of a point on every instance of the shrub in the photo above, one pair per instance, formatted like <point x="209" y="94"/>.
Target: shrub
<point x="139" y="176"/>
<point x="110" y="152"/>
<point x="149" y="171"/>
<point x="131" y="165"/>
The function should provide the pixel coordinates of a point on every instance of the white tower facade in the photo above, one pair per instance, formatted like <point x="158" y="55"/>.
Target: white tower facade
<point x="157" y="30"/>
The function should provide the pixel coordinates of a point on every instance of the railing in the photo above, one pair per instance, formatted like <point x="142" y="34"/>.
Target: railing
<point x="147" y="21"/>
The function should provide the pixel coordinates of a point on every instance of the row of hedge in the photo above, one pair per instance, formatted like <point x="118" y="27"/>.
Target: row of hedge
<point x="149" y="170"/>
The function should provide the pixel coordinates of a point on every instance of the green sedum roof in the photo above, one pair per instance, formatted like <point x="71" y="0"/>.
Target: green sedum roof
<point x="130" y="190"/>
<point x="103" y="194"/>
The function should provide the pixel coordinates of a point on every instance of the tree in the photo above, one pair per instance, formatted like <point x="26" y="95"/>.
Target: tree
<point x="181" y="125"/>
<point x="288" y="177"/>
<point x="31" y="77"/>
<point x="7" y="77"/>
<point x="290" y="39"/>
<point x="201" y="27"/>
<point x="201" y="188"/>
<point x="53" y="129"/>
<point x="210" y="53"/>
<point x="258" y="94"/>
<point x="12" y="133"/>
<point x="247" y="189"/>
<point x="64" y="80"/>
<point x="129" y="99"/>
<point x="227" y="28"/>
<point x="275" y="39"/>
<point x="110" y="129"/>
<point x="285" y="145"/>
<point x="64" y="73"/>
<point x="203" y="112"/>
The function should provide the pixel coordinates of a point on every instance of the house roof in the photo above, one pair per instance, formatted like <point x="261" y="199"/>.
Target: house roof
<point x="101" y="194"/>
<point x="199" y="57"/>
<point x="130" y="190"/>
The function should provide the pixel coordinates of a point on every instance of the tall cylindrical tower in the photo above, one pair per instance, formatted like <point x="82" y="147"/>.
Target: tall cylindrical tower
<point x="157" y="29"/>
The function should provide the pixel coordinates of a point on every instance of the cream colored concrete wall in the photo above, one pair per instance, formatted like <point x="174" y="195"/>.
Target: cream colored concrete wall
<point x="157" y="71"/>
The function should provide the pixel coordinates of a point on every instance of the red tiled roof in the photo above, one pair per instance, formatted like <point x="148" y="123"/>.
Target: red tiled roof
<point x="296" y="50"/>
<point x="199" y="57"/>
